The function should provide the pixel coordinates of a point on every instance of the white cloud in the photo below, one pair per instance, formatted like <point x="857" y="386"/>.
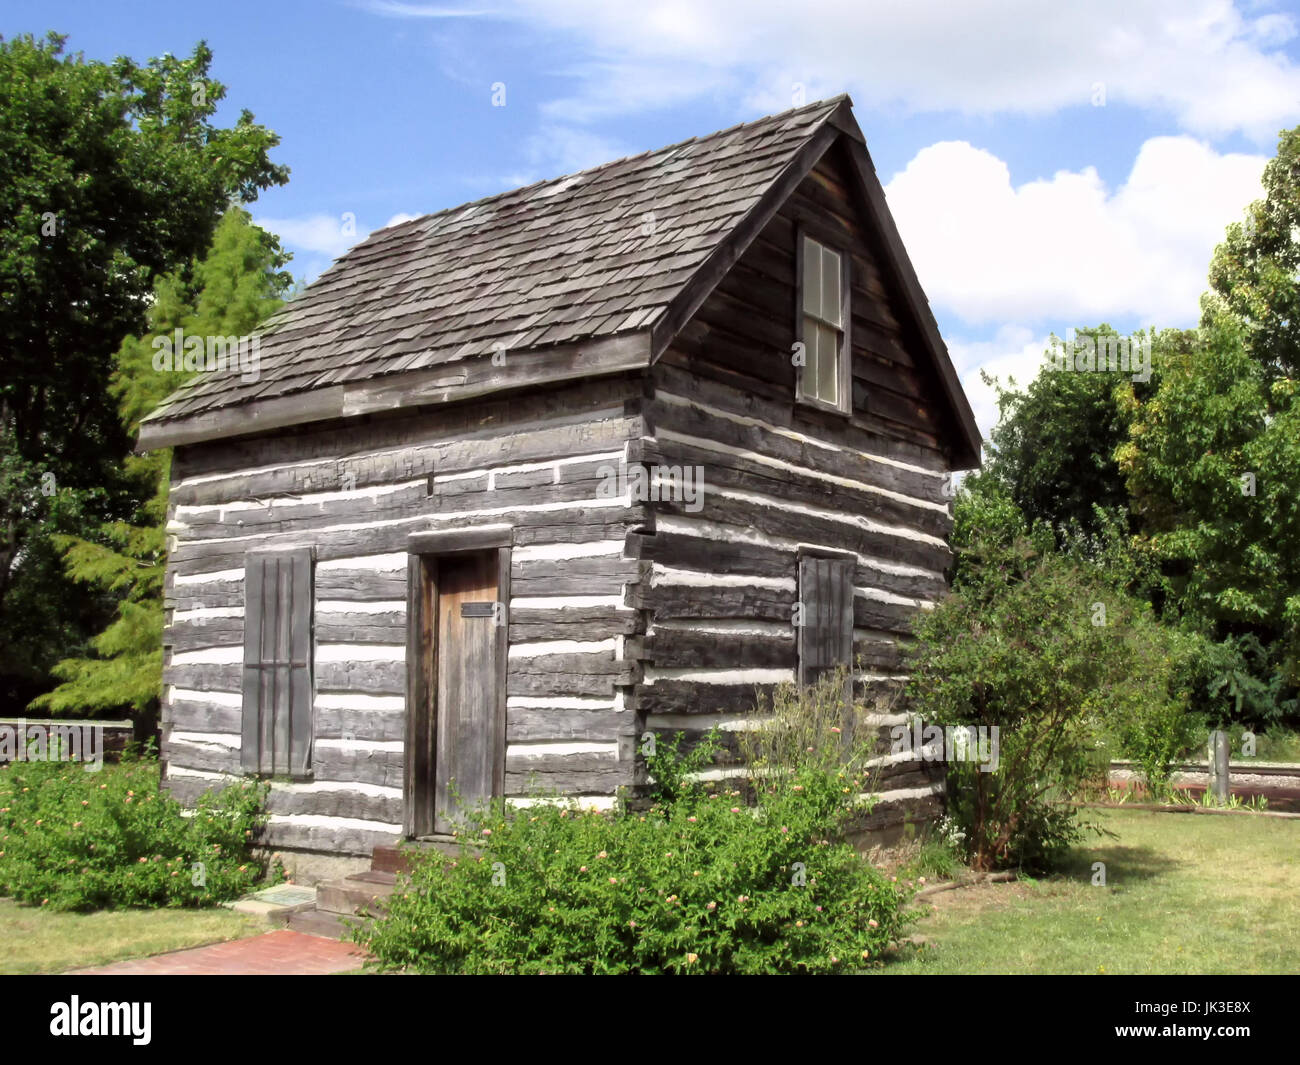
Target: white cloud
<point x="1015" y="353"/>
<point x="556" y="149"/>
<point x="1214" y="68"/>
<point x="323" y="234"/>
<point x="399" y="218"/>
<point x="1068" y="251"/>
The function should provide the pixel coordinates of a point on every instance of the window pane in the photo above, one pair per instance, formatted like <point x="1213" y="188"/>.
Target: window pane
<point x="808" y="378"/>
<point x="830" y="281"/>
<point x="812" y="276"/>
<point x="828" y="384"/>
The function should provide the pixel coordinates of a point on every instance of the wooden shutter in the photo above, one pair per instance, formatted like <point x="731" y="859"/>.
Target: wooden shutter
<point x="277" y="715"/>
<point x="826" y="632"/>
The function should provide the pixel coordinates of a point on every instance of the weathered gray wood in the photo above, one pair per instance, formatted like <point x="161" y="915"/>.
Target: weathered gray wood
<point x="597" y="575"/>
<point x="471" y="378"/>
<point x="549" y="723"/>
<point x="579" y="524"/>
<point x="825" y="631"/>
<point x="369" y="677"/>
<point x="576" y="485"/>
<point x="212" y="757"/>
<point x="335" y="802"/>
<point x="204" y="633"/>
<point x="358" y="763"/>
<point x="871" y="196"/>
<point x="361" y="725"/>
<point x="300" y="699"/>
<point x="570" y="775"/>
<point x="724" y="470"/>
<point x="569" y="674"/>
<point x="361" y="585"/>
<point x="465" y="753"/>
<point x="346" y="627"/>
<point x="259" y="607"/>
<point x="572" y="623"/>
<point x="450" y="540"/>
<point x="692" y="697"/>
<point x="372" y="678"/>
<point x="507" y="427"/>
<point x="187" y="716"/>
<point x="776" y="520"/>
<point x="682" y="648"/>
<point x="721" y="555"/>
<point x="718" y="555"/>
<point x="704" y="601"/>
<point x="878" y="650"/>
<point x="706" y="278"/>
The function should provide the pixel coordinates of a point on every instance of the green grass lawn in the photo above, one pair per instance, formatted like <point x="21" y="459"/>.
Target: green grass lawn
<point x="1184" y="893"/>
<point x="33" y="940"/>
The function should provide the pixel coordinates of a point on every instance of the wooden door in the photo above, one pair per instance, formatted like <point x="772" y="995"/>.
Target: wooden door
<point x="467" y="700"/>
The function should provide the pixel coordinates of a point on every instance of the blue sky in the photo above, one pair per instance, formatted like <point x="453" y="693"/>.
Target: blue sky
<point x="1049" y="165"/>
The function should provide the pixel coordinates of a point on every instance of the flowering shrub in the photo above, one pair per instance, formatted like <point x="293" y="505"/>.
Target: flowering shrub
<point x="699" y="884"/>
<point x="73" y="840"/>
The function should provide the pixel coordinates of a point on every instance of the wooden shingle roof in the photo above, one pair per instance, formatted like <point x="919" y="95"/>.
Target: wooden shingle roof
<point x="581" y="274"/>
<point x="592" y="254"/>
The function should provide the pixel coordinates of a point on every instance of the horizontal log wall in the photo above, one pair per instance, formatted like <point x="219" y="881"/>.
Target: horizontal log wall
<point x="537" y="463"/>
<point x="778" y="477"/>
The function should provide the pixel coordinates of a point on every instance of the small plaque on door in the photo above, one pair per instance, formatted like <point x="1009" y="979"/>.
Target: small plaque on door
<point x="477" y="610"/>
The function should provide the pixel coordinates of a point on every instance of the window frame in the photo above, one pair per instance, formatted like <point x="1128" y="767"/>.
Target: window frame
<point x="844" y="359"/>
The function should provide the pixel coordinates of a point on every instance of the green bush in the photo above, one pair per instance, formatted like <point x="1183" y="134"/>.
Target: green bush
<point x="1041" y="646"/>
<point x="77" y="840"/>
<point x="699" y="884"/>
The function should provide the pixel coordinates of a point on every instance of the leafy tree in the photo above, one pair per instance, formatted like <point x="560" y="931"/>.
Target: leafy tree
<point x="1255" y="272"/>
<point x="226" y="294"/>
<point x="1054" y="445"/>
<point x="1213" y="462"/>
<point x="111" y="174"/>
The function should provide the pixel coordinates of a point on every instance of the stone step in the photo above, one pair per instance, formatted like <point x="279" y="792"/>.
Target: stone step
<point x="320" y="923"/>
<point x="359" y="893"/>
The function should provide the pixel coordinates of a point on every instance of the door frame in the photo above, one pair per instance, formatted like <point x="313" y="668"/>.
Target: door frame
<point x="424" y="550"/>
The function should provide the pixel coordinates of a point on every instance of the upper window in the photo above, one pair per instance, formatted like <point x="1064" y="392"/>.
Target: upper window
<point x="824" y="377"/>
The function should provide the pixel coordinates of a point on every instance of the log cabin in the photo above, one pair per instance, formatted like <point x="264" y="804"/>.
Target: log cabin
<point x="520" y="481"/>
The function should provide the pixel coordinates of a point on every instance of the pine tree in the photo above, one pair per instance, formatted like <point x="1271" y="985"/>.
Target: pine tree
<point x="235" y="286"/>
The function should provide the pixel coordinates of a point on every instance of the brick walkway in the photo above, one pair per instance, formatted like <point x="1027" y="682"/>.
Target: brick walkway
<point x="278" y="953"/>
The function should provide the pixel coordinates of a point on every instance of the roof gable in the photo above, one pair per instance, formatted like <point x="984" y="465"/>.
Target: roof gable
<point x="589" y="273"/>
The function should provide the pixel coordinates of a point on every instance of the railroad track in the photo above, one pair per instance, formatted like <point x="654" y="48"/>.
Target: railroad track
<point x="1278" y="782"/>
